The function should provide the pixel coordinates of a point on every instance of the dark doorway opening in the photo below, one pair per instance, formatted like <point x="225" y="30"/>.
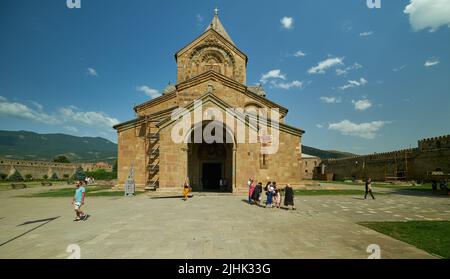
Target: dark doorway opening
<point x="212" y="174"/>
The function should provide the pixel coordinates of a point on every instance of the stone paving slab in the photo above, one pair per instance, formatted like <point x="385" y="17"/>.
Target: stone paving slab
<point x="211" y="227"/>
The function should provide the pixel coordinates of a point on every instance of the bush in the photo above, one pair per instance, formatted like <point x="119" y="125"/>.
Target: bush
<point x="114" y="169"/>
<point x="45" y="177"/>
<point x="28" y="176"/>
<point x="61" y="159"/>
<point x="54" y="176"/>
<point x="79" y="174"/>
<point x="102" y="174"/>
<point x="66" y="176"/>
<point x="16" y="176"/>
<point x="3" y="176"/>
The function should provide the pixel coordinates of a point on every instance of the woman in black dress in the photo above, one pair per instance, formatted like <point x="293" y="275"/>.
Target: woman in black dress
<point x="289" y="197"/>
<point x="257" y="193"/>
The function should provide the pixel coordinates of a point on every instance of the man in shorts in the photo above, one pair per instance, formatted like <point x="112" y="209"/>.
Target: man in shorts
<point x="78" y="201"/>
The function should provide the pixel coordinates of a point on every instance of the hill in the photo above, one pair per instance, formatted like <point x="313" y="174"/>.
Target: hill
<point x="24" y="145"/>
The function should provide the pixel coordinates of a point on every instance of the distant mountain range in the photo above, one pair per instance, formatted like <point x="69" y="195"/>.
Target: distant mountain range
<point x="23" y="145"/>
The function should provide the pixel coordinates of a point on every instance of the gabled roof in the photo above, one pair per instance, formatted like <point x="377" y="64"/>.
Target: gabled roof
<point x="205" y="76"/>
<point x="217" y="26"/>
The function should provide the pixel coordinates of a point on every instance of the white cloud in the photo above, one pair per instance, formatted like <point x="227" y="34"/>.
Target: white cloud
<point x="354" y="83"/>
<point x="344" y="71"/>
<point x="91" y="72"/>
<point x="320" y="126"/>
<point x="68" y="118"/>
<point x="18" y="110"/>
<point x="362" y="104"/>
<point x="299" y="54"/>
<point x="366" y="34"/>
<point x="287" y="22"/>
<point x="399" y="68"/>
<point x="152" y="93"/>
<point x="431" y="62"/>
<point x="90" y="118"/>
<point x="37" y="105"/>
<point x="364" y="130"/>
<point x="428" y="14"/>
<point x="325" y="65"/>
<point x="341" y="72"/>
<point x="273" y="74"/>
<point x="287" y="85"/>
<point x="330" y="100"/>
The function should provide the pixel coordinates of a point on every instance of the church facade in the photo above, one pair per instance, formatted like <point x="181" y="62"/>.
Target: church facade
<point x="210" y="127"/>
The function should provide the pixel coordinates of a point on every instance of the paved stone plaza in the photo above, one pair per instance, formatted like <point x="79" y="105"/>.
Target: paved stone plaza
<point x="209" y="226"/>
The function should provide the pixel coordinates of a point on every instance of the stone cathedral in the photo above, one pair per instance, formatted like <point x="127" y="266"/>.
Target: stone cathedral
<point x="212" y="73"/>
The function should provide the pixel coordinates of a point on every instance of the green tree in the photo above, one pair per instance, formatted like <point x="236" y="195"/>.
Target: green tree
<point x="28" y="176"/>
<point x="45" y="177"/>
<point x="61" y="159"/>
<point x="66" y="176"/>
<point x="79" y="174"/>
<point x="16" y="176"/>
<point x="54" y="176"/>
<point x="3" y="176"/>
<point x="114" y="168"/>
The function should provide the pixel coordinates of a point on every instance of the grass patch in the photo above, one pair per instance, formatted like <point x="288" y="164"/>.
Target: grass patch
<point x="91" y="191"/>
<point x="331" y="192"/>
<point x="431" y="236"/>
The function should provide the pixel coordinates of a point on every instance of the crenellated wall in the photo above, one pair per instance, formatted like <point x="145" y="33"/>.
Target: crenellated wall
<point x="409" y="164"/>
<point x="435" y="143"/>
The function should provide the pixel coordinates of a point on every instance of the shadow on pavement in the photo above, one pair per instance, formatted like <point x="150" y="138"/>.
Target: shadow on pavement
<point x="35" y="228"/>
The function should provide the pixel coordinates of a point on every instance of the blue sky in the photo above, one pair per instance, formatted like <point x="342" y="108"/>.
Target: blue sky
<point x="355" y="79"/>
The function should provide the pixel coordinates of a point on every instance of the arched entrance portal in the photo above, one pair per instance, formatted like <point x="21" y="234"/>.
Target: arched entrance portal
<point x="210" y="165"/>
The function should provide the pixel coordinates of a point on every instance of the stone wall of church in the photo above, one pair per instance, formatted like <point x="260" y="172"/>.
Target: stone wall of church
<point x="282" y="167"/>
<point x="131" y="151"/>
<point x="231" y="96"/>
<point x="173" y="162"/>
<point x="211" y="53"/>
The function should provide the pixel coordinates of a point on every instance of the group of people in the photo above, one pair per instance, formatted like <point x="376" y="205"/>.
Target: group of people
<point x="273" y="193"/>
<point x="89" y="180"/>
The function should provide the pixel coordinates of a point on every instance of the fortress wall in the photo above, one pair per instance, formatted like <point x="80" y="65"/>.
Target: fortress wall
<point x="376" y="166"/>
<point x="432" y="160"/>
<point x="40" y="168"/>
<point x="432" y="154"/>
